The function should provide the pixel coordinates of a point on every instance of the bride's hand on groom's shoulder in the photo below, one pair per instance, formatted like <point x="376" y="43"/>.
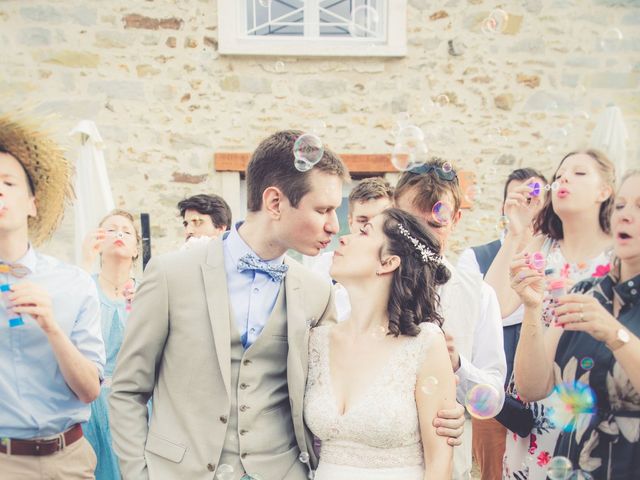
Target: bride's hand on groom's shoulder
<point x="450" y="423"/>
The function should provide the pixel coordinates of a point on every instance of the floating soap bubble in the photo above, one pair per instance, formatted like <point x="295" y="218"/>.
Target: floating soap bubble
<point x="309" y="148"/>
<point x="559" y="468"/>
<point x="442" y="213"/>
<point x="304" y="457"/>
<point x="579" y="475"/>
<point x="280" y="67"/>
<point x="1" y="205"/>
<point x="483" y="401"/>
<point x="568" y="401"/>
<point x="302" y="165"/>
<point x="429" y="386"/>
<point x="410" y="133"/>
<point x="409" y="154"/>
<point x="364" y="22"/>
<point x="611" y="40"/>
<point x="442" y="100"/>
<point x="586" y="363"/>
<point x="264" y="3"/>
<point x="447" y="167"/>
<point x="402" y="119"/>
<point x="472" y="192"/>
<point x="224" y="472"/>
<point x="495" y="23"/>
<point x="556" y="138"/>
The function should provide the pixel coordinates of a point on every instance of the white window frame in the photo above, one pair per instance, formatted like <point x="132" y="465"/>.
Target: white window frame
<point x="233" y="41"/>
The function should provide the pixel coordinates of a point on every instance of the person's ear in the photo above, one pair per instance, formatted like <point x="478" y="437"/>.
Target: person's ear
<point x="272" y="199"/>
<point x="605" y="193"/>
<point x="389" y="265"/>
<point x="32" y="210"/>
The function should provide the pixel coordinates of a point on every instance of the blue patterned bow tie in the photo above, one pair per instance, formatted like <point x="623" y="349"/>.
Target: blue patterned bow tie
<point x="15" y="269"/>
<point x="251" y="262"/>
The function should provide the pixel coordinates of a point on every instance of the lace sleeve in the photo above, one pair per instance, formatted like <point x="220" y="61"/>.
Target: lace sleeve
<point x="315" y="337"/>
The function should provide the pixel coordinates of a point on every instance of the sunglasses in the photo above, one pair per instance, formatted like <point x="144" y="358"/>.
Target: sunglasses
<point x="448" y="174"/>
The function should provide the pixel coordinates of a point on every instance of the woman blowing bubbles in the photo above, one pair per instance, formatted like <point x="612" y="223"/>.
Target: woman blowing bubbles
<point x="592" y="356"/>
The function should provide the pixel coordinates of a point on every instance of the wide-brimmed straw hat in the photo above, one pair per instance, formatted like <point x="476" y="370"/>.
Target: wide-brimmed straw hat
<point x="48" y="169"/>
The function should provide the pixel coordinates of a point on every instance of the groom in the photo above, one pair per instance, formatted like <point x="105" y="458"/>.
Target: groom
<point x="219" y="336"/>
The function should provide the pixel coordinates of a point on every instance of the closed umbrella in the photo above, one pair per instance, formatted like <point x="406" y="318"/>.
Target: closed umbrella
<point x="93" y="190"/>
<point x="610" y="136"/>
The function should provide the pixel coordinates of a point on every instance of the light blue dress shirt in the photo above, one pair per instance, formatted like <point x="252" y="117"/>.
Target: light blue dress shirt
<point x="252" y="294"/>
<point x="35" y="400"/>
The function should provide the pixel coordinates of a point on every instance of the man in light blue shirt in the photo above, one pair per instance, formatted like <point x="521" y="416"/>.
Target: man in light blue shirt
<point x="51" y="347"/>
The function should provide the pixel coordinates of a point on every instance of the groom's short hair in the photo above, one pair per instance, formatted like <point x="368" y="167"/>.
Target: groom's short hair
<point x="272" y="165"/>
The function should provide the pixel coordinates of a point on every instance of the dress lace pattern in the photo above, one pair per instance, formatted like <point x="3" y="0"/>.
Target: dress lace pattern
<point x="381" y="429"/>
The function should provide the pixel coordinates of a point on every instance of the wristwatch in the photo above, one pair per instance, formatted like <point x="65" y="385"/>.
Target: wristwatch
<point x="622" y="338"/>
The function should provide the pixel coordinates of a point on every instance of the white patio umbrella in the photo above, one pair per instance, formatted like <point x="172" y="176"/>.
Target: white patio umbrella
<point x="93" y="190"/>
<point x="610" y="136"/>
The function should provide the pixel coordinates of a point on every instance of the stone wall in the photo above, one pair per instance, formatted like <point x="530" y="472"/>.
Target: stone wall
<point x="149" y="74"/>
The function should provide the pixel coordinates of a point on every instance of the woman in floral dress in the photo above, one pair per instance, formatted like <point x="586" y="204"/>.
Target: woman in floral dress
<point x="591" y="355"/>
<point x="574" y="237"/>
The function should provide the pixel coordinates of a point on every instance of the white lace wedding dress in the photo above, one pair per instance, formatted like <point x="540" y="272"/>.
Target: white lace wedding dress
<point x="377" y="438"/>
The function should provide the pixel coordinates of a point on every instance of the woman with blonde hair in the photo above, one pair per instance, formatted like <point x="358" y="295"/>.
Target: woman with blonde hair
<point x="574" y="241"/>
<point x="117" y="241"/>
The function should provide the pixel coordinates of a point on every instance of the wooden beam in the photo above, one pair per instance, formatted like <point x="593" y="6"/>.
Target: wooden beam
<point x="357" y="163"/>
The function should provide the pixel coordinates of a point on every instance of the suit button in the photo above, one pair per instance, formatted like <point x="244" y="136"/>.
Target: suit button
<point x="244" y="408"/>
<point x="211" y="467"/>
<point x="243" y="432"/>
<point x="243" y="456"/>
<point x="246" y="362"/>
<point x="243" y="386"/>
<point x="223" y="418"/>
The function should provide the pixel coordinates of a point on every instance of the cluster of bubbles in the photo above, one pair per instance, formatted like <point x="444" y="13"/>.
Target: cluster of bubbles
<point x="307" y="151"/>
<point x="569" y="402"/>
<point x="483" y="401"/>
<point x="495" y="23"/>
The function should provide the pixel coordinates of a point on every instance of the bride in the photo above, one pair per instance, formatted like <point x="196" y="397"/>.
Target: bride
<point x="377" y="380"/>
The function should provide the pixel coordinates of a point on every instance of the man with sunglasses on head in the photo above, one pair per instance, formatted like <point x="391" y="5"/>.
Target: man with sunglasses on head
<point x="472" y="320"/>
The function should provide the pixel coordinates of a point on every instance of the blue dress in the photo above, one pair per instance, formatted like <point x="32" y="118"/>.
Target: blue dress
<point x="96" y="430"/>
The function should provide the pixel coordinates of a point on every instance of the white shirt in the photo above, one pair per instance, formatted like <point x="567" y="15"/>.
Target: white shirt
<point x="468" y="261"/>
<point x="472" y="316"/>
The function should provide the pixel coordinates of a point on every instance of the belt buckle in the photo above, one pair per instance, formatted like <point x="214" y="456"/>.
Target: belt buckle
<point x="58" y="442"/>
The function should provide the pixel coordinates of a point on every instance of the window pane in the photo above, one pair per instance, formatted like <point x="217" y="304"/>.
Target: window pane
<point x="333" y="18"/>
<point x="275" y="17"/>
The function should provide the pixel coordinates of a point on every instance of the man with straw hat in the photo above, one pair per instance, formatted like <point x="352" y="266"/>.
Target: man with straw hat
<point x="51" y="348"/>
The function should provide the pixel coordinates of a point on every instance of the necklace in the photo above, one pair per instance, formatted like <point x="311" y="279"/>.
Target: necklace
<point x="117" y="288"/>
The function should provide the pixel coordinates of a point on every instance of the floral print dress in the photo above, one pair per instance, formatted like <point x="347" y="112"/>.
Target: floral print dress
<point x="606" y="441"/>
<point x="527" y="458"/>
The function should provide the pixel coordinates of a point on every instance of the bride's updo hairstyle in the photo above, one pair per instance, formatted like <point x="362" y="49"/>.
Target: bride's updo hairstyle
<point x="414" y="298"/>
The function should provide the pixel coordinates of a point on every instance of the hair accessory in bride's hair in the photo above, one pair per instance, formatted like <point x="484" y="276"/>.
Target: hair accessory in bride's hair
<point x="426" y="253"/>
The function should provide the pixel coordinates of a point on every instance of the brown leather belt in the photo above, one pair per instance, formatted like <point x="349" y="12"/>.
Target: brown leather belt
<point x="16" y="446"/>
